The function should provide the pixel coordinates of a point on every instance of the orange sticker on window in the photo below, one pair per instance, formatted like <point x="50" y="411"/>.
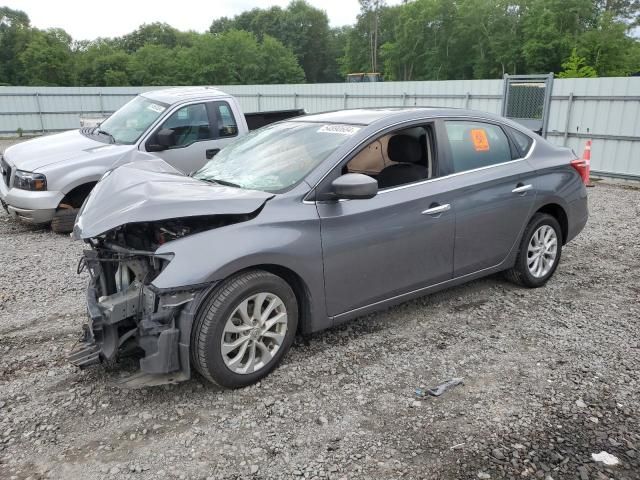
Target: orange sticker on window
<point x="480" y="140"/>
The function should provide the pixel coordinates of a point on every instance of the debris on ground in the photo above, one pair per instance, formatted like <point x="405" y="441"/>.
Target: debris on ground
<point x="440" y="389"/>
<point x="605" y="458"/>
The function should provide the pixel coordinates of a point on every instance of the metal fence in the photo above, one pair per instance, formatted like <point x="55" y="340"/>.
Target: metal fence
<point x="606" y="110"/>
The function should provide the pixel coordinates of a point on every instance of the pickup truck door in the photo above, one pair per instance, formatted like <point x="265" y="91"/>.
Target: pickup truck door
<point x="201" y="130"/>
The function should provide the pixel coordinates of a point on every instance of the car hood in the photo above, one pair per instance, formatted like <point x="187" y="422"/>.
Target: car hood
<point x="38" y="153"/>
<point x="149" y="190"/>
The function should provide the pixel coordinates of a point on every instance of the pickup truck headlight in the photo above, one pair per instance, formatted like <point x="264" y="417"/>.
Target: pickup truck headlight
<point x="29" y="181"/>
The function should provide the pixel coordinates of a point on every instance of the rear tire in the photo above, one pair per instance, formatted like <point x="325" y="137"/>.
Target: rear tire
<point x="239" y="312"/>
<point x="64" y="220"/>
<point x="538" y="257"/>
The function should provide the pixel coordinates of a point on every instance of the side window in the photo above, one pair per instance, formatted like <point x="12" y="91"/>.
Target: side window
<point x="227" y="125"/>
<point x="190" y="124"/>
<point x="476" y="145"/>
<point x="397" y="158"/>
<point x="523" y="141"/>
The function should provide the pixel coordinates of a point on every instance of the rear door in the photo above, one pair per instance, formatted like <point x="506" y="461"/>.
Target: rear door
<point x="201" y="130"/>
<point x="493" y="193"/>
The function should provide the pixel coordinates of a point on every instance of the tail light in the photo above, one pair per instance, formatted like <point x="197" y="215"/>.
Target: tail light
<point x="582" y="167"/>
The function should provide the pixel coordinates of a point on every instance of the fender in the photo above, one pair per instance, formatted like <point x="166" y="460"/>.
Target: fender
<point x="294" y="244"/>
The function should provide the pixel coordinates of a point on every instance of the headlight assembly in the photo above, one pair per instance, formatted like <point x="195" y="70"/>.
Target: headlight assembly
<point x="29" y="181"/>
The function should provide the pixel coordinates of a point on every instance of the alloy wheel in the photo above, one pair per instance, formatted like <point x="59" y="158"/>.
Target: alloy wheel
<point x="542" y="251"/>
<point x="254" y="332"/>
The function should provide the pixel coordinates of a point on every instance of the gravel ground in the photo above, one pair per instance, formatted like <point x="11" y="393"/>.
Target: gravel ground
<point x="550" y="377"/>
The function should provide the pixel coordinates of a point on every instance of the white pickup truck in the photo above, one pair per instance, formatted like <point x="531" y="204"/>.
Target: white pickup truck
<point x="47" y="179"/>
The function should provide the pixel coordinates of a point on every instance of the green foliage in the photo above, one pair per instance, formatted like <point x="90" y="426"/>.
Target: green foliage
<point x="416" y="40"/>
<point x="576" y="67"/>
<point x="300" y="27"/>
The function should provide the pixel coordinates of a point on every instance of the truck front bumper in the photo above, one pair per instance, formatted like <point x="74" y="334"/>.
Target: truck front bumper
<point x="28" y="206"/>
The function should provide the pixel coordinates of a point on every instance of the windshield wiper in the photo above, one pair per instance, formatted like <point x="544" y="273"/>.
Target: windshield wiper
<point x="221" y="182"/>
<point x="102" y="132"/>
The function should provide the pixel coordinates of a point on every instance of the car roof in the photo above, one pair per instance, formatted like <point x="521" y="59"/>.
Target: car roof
<point x="368" y="116"/>
<point x="180" y="94"/>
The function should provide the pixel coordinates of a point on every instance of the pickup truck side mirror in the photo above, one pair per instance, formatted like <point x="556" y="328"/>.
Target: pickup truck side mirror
<point x="164" y="139"/>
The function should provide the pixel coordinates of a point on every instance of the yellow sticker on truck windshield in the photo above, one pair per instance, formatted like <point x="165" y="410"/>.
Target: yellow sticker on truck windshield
<point x="480" y="140"/>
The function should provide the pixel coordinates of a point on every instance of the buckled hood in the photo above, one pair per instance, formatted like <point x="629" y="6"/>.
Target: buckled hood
<point x="149" y="189"/>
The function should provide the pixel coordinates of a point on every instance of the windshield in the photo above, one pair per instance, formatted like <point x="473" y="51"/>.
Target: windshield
<point x="276" y="157"/>
<point x="132" y="120"/>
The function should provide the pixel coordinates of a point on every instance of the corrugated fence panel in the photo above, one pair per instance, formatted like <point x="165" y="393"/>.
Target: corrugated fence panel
<point x="604" y="109"/>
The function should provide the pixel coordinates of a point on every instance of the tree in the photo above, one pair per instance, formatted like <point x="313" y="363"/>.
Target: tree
<point x="301" y="27"/>
<point x="46" y="59"/>
<point x="150" y="33"/>
<point x="576" y="67"/>
<point x="551" y="29"/>
<point x="279" y="64"/>
<point x="15" y="33"/>
<point x="609" y="48"/>
<point x="100" y="63"/>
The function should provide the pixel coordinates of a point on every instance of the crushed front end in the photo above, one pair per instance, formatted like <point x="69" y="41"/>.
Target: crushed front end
<point x="127" y="315"/>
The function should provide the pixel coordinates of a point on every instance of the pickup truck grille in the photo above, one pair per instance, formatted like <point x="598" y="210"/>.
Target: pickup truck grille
<point x="5" y="170"/>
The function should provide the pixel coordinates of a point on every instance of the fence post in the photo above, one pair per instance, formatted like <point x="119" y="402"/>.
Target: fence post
<point x="404" y="99"/>
<point x="295" y="100"/>
<point x="344" y="101"/>
<point x="568" y="120"/>
<point x="101" y="104"/>
<point x="259" y="107"/>
<point x="40" y="112"/>
<point x="466" y="100"/>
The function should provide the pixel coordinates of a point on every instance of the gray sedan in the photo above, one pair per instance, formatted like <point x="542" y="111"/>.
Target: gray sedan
<point x="308" y="223"/>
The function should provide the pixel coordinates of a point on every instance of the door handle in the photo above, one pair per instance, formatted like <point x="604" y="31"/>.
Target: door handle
<point x="212" y="152"/>
<point x="522" y="188"/>
<point x="437" y="209"/>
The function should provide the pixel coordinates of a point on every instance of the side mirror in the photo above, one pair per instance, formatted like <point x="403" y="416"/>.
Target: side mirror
<point x="355" y="186"/>
<point x="164" y="139"/>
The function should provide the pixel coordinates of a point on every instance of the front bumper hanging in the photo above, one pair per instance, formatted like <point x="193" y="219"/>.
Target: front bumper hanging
<point x="137" y="318"/>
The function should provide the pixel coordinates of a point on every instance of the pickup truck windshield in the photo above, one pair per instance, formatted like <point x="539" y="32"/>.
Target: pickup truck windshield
<point x="132" y="120"/>
<point x="276" y="157"/>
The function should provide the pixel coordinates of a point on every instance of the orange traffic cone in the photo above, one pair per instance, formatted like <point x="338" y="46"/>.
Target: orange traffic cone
<point x="586" y="157"/>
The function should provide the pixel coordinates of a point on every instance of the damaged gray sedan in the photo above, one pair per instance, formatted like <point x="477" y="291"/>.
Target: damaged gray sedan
<point x="307" y="223"/>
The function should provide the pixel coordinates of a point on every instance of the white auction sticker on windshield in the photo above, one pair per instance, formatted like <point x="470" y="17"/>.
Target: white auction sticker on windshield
<point x="341" y="129"/>
<point x="156" y="108"/>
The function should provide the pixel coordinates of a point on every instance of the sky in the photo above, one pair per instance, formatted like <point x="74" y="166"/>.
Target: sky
<point x="89" y="19"/>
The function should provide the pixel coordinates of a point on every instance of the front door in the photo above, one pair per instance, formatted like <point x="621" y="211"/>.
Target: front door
<point x="399" y="241"/>
<point x="201" y="130"/>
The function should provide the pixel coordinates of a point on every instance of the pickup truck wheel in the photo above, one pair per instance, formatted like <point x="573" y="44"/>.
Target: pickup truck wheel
<point x="64" y="219"/>
<point x="539" y="254"/>
<point x="244" y="329"/>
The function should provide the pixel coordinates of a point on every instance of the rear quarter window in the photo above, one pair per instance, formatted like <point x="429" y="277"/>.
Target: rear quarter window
<point x="523" y="142"/>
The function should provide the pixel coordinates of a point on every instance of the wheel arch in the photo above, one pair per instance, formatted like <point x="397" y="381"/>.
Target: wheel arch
<point x="77" y="194"/>
<point x="560" y="214"/>
<point x="297" y="284"/>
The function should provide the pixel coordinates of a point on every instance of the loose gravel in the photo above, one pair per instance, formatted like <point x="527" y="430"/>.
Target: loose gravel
<point x="551" y="376"/>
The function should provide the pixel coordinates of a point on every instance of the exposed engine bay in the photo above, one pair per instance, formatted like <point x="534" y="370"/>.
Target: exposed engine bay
<point x="127" y="315"/>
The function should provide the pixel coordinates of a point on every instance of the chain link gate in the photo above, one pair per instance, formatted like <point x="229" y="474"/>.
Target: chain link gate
<point x="526" y="99"/>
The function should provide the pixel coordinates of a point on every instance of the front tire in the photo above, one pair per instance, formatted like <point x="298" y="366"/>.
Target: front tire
<point x="244" y="329"/>
<point x="539" y="254"/>
<point x="64" y="220"/>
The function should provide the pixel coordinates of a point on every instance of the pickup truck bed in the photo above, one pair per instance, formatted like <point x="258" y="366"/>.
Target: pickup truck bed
<point x="256" y="120"/>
